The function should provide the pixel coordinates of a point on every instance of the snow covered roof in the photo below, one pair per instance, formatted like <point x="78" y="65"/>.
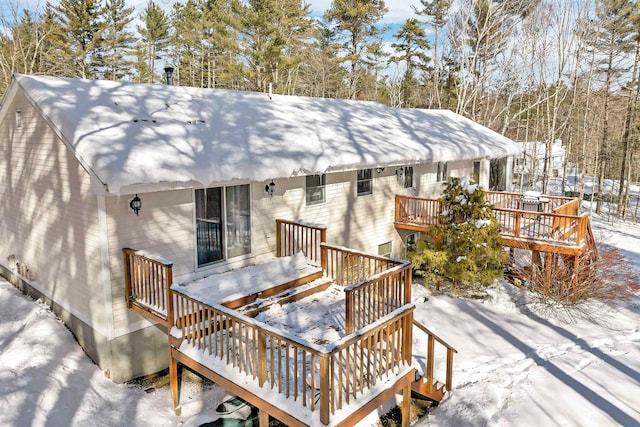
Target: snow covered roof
<point x="143" y="136"/>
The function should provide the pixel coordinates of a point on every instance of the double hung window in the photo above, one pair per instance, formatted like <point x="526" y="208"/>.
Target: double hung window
<point x="365" y="182"/>
<point x="315" y="185"/>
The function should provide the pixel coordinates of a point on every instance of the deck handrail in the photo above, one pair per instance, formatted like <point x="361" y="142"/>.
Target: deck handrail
<point x="431" y="355"/>
<point x="420" y="210"/>
<point x="147" y="278"/>
<point x="347" y="267"/>
<point x="324" y="378"/>
<point x="295" y="236"/>
<point x="509" y="200"/>
<point x="376" y="296"/>
<point x="542" y="226"/>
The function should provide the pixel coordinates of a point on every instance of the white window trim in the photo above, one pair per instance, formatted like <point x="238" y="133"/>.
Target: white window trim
<point x="322" y="187"/>
<point x="370" y="180"/>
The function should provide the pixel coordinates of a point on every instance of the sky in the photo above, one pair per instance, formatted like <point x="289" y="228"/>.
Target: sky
<point x="399" y="10"/>
<point x="519" y="363"/>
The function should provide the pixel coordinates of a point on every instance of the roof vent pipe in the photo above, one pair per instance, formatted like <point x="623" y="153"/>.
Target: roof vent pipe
<point x="168" y="72"/>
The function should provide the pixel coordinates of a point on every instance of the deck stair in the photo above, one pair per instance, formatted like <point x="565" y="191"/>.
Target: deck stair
<point x="289" y="295"/>
<point x="425" y="384"/>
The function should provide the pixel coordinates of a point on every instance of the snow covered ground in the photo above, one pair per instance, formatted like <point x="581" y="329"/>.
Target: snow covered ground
<point x="515" y="366"/>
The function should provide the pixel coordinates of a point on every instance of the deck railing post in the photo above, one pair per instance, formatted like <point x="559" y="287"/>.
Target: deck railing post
<point x="278" y="238"/>
<point x="430" y="359"/>
<point x="449" y="378"/>
<point x="169" y="296"/>
<point x="349" y="303"/>
<point x="324" y="388"/>
<point x="262" y="357"/>
<point x="127" y="275"/>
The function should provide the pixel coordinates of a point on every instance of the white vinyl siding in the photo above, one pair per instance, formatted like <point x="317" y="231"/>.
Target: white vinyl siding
<point x="49" y="216"/>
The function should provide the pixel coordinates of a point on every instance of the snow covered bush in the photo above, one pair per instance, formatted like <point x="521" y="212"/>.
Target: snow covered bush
<point x="465" y="247"/>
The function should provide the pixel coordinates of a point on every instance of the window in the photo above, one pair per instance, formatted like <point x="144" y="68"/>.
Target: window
<point x="411" y="240"/>
<point x="442" y="172"/>
<point x="385" y="250"/>
<point x="364" y="182"/>
<point x="223" y="223"/>
<point x="315" y="189"/>
<point x="476" y="172"/>
<point x="18" y="119"/>
<point x="407" y="177"/>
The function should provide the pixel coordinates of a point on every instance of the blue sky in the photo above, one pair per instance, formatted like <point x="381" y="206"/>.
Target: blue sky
<point x="399" y="10"/>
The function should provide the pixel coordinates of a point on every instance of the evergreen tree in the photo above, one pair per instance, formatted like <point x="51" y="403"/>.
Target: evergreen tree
<point x="117" y="39"/>
<point x="222" y="63"/>
<point x="78" y="39"/>
<point x="465" y="246"/>
<point x="436" y="11"/>
<point x="355" y="25"/>
<point x="320" y="71"/>
<point x="155" y="38"/>
<point x="186" y="42"/>
<point x="272" y="33"/>
<point x="411" y="47"/>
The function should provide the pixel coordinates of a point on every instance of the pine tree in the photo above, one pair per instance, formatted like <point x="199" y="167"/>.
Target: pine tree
<point x="272" y="33"/>
<point x="355" y="25"/>
<point x="222" y="64"/>
<point x="411" y="47"/>
<point x="436" y="11"/>
<point x="155" y="38"/>
<point x="465" y="246"/>
<point x="117" y="39"/>
<point x="78" y="40"/>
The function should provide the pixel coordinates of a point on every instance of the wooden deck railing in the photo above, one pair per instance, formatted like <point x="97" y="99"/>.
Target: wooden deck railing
<point x="504" y="200"/>
<point x="559" y="224"/>
<point x="374" y="285"/>
<point x="432" y="339"/>
<point x="377" y="296"/>
<point x="294" y="236"/>
<point x="417" y="210"/>
<point x="544" y="227"/>
<point x="321" y="378"/>
<point x="147" y="279"/>
<point x="348" y="267"/>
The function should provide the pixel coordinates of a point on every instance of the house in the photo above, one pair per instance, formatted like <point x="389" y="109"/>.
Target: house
<point x="529" y="166"/>
<point x="199" y="176"/>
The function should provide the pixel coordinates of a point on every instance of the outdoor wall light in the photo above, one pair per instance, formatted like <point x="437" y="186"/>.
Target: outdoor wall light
<point x="399" y="172"/>
<point x="270" y="188"/>
<point x="380" y="170"/>
<point x="136" y="204"/>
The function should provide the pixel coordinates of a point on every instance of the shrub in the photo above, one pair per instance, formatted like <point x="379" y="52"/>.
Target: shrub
<point x="465" y="247"/>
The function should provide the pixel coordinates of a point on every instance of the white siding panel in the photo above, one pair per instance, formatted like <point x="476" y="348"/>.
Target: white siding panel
<point x="49" y="215"/>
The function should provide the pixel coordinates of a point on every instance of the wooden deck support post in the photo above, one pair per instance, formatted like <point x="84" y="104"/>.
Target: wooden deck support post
<point x="576" y="277"/>
<point x="548" y="270"/>
<point x="406" y="405"/>
<point x="173" y="380"/>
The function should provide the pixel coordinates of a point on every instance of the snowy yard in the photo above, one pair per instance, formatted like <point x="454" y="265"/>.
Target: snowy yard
<point x="515" y="366"/>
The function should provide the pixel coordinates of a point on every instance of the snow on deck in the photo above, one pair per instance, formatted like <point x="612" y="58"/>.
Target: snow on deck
<point x="234" y="284"/>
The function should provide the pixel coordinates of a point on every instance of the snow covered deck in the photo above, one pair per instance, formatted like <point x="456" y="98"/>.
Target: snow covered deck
<point x="336" y="355"/>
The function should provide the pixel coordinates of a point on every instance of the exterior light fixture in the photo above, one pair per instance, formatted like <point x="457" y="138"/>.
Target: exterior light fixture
<point x="380" y="170"/>
<point x="270" y="188"/>
<point x="136" y="204"/>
